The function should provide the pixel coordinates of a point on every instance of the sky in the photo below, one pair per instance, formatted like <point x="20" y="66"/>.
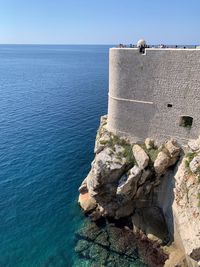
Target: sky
<point x="99" y="21"/>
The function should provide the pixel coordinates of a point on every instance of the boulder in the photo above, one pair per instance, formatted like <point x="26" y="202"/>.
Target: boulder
<point x="144" y="177"/>
<point x="173" y="148"/>
<point x="194" y="145"/>
<point x="149" y="143"/>
<point x="195" y="164"/>
<point x="140" y="156"/>
<point x="127" y="186"/>
<point x="86" y="202"/>
<point x="161" y="163"/>
<point x="152" y="237"/>
<point x="106" y="170"/>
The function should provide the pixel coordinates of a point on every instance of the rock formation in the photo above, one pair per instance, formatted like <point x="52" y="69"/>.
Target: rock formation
<point x="157" y="187"/>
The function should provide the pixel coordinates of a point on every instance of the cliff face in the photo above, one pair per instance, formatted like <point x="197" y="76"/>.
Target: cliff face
<point x="157" y="187"/>
<point x="186" y="205"/>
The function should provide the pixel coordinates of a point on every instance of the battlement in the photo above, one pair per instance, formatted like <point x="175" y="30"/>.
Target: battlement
<point x="154" y="94"/>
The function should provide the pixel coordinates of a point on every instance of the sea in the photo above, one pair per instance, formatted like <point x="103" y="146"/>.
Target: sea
<point x="51" y="100"/>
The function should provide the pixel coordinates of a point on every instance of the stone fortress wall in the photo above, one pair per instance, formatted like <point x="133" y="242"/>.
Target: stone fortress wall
<point x="151" y="94"/>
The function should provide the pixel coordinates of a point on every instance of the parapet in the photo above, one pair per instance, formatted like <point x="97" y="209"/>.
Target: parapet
<point x="154" y="94"/>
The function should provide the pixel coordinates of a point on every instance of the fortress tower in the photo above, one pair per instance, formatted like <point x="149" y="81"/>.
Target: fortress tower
<point x="154" y="94"/>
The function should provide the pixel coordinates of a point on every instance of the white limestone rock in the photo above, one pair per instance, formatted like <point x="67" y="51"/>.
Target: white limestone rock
<point x="186" y="211"/>
<point x="107" y="168"/>
<point x="195" y="164"/>
<point x="140" y="156"/>
<point x="194" y="145"/>
<point x="149" y="143"/>
<point x="103" y="136"/>
<point x="161" y="163"/>
<point x="128" y="183"/>
<point x="173" y="148"/>
<point x="101" y="143"/>
<point x="167" y="157"/>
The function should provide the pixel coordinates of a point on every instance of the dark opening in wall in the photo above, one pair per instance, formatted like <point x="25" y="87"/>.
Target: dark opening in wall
<point x="169" y="105"/>
<point x="186" y="121"/>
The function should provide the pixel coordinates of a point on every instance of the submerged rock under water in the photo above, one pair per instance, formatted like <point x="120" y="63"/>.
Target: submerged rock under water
<point x="111" y="245"/>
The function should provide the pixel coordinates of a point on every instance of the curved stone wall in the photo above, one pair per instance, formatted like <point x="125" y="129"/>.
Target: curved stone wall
<point x="149" y="93"/>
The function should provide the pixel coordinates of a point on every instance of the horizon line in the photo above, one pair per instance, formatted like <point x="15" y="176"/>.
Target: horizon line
<point x="90" y="44"/>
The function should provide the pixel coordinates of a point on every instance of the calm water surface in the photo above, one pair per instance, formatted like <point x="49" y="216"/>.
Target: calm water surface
<point x="50" y="103"/>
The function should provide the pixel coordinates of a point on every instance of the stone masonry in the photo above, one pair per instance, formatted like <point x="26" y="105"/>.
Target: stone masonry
<point x="151" y="94"/>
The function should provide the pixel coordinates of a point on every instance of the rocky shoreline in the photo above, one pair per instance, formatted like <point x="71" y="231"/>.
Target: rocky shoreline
<point x="156" y="188"/>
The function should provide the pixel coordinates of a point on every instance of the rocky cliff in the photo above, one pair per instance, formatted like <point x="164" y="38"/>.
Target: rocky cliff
<point x="157" y="188"/>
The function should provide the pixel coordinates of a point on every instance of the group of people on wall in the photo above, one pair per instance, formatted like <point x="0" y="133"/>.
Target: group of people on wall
<point x="141" y="44"/>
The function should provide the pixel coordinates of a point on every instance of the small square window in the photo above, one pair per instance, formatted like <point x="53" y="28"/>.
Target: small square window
<point x="186" y="121"/>
<point x="169" y="105"/>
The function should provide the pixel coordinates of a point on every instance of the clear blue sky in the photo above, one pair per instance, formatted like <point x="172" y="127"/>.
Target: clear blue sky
<point x="99" y="21"/>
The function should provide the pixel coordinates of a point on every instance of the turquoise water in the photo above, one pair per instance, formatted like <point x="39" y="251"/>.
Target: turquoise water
<point x="50" y="104"/>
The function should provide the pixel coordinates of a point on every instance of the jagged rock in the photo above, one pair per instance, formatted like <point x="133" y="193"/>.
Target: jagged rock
<point x="108" y="166"/>
<point x="173" y="148"/>
<point x="89" y="232"/>
<point x="106" y="169"/>
<point x="176" y="257"/>
<point x="87" y="202"/>
<point x="140" y="156"/>
<point x="149" y="143"/>
<point x="95" y="215"/>
<point x="81" y="245"/>
<point x="101" y="143"/>
<point x="83" y="188"/>
<point x="98" y="252"/>
<point x="128" y="183"/>
<point x="167" y="157"/>
<point x="148" y="187"/>
<point x="186" y="212"/>
<point x="195" y="164"/>
<point x="103" y="239"/>
<point x="145" y="175"/>
<point x="124" y="210"/>
<point x="121" y="240"/>
<point x="152" y="237"/>
<point x="161" y="163"/>
<point x="116" y="246"/>
<point x="103" y="136"/>
<point x="118" y="191"/>
<point x="194" y="145"/>
<point x="151" y="252"/>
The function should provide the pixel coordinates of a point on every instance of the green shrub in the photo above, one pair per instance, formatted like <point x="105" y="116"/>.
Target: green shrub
<point x="152" y="153"/>
<point x="189" y="157"/>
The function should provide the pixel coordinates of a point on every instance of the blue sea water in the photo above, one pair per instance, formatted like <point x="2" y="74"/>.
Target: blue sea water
<point x="51" y="99"/>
